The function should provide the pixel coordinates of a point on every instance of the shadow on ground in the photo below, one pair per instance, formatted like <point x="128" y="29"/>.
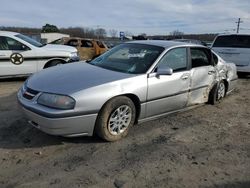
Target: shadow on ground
<point x="16" y="133"/>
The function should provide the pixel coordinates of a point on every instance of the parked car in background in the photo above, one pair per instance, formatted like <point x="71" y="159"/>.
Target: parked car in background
<point x="235" y="48"/>
<point x="21" y="55"/>
<point x="133" y="82"/>
<point x="87" y="48"/>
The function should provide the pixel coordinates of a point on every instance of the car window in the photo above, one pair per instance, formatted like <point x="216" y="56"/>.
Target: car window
<point x="86" y="44"/>
<point x="72" y="42"/>
<point x="232" y="41"/>
<point x="200" y="57"/>
<point x="215" y="58"/>
<point x="129" y="58"/>
<point x="175" y="59"/>
<point x="7" y="43"/>
<point x="29" y="40"/>
<point x="3" y="43"/>
<point x="100" y="44"/>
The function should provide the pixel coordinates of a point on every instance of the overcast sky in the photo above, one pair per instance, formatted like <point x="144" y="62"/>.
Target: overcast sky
<point x="136" y="16"/>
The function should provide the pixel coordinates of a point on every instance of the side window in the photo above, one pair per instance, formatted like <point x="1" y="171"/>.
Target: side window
<point x="200" y="57"/>
<point x="215" y="59"/>
<point x="3" y="43"/>
<point x="7" y="43"/>
<point x="175" y="59"/>
<point x="72" y="42"/>
<point x="86" y="44"/>
<point x="100" y="44"/>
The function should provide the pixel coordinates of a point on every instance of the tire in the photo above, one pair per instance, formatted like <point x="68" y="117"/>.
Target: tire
<point x="115" y="119"/>
<point x="217" y="93"/>
<point x="54" y="63"/>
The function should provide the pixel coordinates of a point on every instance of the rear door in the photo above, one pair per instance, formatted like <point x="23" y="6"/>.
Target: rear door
<point x="233" y="48"/>
<point x="203" y="75"/>
<point x="16" y="58"/>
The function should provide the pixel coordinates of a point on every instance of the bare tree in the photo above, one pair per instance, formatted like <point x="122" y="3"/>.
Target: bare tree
<point x="100" y="33"/>
<point x="113" y="33"/>
<point x="176" y="33"/>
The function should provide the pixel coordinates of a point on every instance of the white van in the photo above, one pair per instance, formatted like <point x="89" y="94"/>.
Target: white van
<point x="234" y="48"/>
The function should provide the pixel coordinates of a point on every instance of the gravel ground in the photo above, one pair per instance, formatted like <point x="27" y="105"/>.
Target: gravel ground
<point x="208" y="146"/>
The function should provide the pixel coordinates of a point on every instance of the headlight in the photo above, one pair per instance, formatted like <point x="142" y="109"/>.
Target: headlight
<point x="62" y="102"/>
<point x="73" y="54"/>
<point x="24" y="87"/>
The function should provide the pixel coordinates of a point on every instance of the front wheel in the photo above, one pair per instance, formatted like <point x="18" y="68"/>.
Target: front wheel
<point x="54" y="63"/>
<point x="115" y="119"/>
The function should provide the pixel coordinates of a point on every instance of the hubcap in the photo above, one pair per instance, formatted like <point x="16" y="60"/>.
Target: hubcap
<point x="120" y="120"/>
<point x="221" y="91"/>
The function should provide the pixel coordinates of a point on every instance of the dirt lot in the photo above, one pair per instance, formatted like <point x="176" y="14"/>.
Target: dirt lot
<point x="206" y="147"/>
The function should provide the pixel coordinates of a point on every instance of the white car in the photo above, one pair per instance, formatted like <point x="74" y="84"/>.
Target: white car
<point x="234" y="48"/>
<point x="21" y="55"/>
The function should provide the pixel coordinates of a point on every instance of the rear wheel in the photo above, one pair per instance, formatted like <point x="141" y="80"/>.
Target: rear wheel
<point x="217" y="93"/>
<point x="115" y="119"/>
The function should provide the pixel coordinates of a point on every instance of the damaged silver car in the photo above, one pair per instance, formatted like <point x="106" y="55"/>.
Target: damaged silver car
<point x="132" y="83"/>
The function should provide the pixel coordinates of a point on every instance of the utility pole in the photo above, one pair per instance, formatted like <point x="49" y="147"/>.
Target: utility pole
<point x="238" y="25"/>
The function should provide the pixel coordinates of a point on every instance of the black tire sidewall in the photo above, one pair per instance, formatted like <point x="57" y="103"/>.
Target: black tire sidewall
<point x="213" y="96"/>
<point x="101" y="127"/>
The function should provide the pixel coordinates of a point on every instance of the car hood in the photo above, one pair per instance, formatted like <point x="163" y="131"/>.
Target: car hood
<point x="58" y="47"/>
<point x="70" y="78"/>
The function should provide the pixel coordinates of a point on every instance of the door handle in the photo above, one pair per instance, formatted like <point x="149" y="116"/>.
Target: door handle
<point x="211" y="72"/>
<point x="185" y="76"/>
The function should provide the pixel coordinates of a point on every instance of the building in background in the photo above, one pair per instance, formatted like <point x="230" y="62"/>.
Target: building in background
<point x="49" y="37"/>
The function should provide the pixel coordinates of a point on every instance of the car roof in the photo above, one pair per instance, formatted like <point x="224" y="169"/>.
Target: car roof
<point x="165" y="43"/>
<point x="236" y="34"/>
<point x="8" y="33"/>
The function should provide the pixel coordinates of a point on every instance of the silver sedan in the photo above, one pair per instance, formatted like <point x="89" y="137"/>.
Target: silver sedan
<point x="132" y="83"/>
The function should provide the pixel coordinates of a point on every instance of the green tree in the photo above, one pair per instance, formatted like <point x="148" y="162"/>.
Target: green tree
<point x="50" y="29"/>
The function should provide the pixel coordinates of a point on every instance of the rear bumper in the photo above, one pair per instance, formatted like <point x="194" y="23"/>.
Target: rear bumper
<point x="245" y="69"/>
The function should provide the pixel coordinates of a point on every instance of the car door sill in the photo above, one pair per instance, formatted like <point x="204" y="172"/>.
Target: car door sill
<point x="167" y="113"/>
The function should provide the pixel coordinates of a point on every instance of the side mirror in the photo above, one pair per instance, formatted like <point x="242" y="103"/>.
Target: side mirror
<point x="164" y="71"/>
<point x="25" y="48"/>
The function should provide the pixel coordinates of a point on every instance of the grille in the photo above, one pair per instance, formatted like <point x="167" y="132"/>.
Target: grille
<point x="30" y="93"/>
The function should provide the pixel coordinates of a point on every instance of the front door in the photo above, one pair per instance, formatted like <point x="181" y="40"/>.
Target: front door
<point x="15" y="58"/>
<point x="169" y="92"/>
<point x="87" y="50"/>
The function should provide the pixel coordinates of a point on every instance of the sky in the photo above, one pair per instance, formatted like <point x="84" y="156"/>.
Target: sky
<point x="153" y="17"/>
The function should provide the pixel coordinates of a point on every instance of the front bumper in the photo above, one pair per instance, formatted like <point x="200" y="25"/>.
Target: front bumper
<point x="73" y="59"/>
<point x="78" y="125"/>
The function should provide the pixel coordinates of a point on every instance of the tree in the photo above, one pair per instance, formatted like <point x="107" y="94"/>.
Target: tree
<point x="113" y="33"/>
<point x="176" y="33"/>
<point x="47" y="28"/>
<point x="100" y="33"/>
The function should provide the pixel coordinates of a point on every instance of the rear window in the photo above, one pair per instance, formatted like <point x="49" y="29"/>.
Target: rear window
<point x="232" y="41"/>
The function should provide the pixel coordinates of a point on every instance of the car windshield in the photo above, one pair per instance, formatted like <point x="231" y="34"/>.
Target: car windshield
<point x="232" y="41"/>
<point x="129" y="58"/>
<point x="29" y="40"/>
